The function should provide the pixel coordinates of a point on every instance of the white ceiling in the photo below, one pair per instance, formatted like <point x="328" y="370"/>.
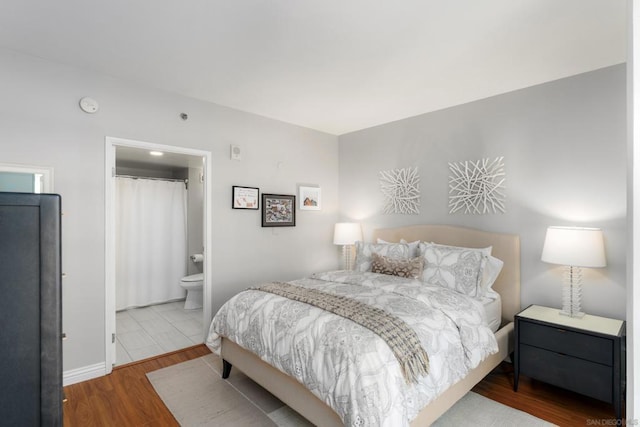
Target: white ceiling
<point x="331" y="65"/>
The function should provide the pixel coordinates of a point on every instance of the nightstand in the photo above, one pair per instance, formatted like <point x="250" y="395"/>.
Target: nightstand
<point x="583" y="355"/>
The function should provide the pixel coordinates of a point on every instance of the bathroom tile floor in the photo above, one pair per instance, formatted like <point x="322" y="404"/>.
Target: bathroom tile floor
<point x="157" y="329"/>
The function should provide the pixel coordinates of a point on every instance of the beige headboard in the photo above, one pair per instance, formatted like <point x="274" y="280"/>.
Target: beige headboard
<point x="506" y="247"/>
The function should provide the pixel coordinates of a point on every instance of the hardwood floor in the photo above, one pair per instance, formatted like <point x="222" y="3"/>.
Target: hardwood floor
<point x="126" y="398"/>
<point x="553" y="404"/>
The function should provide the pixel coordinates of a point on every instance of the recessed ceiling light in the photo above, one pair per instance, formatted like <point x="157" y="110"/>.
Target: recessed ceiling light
<point x="156" y="153"/>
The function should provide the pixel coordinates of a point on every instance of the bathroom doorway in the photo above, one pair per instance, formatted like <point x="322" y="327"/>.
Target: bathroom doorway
<point x="157" y="217"/>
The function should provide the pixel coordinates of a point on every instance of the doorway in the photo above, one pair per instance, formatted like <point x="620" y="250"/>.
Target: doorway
<point x="160" y="324"/>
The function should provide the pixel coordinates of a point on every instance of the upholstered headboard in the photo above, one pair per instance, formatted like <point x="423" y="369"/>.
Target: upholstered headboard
<point x="506" y="247"/>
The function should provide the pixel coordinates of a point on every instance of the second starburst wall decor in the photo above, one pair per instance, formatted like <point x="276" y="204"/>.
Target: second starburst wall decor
<point x="477" y="187"/>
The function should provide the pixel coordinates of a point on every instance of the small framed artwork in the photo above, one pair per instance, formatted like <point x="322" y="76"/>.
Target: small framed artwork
<point x="278" y="210"/>
<point x="310" y="198"/>
<point x="244" y="197"/>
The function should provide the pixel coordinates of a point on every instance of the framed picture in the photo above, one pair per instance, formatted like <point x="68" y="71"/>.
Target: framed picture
<point x="310" y="198"/>
<point x="278" y="210"/>
<point x="244" y="197"/>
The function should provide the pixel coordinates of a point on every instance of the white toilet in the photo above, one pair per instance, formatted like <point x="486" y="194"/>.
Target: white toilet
<point x="193" y="285"/>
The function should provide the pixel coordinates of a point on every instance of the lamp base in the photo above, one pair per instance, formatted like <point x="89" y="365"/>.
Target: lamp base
<point x="576" y="314"/>
<point x="346" y="257"/>
<point x="572" y="292"/>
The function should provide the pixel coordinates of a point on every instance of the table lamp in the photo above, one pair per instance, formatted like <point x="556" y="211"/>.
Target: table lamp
<point x="347" y="234"/>
<point x="573" y="247"/>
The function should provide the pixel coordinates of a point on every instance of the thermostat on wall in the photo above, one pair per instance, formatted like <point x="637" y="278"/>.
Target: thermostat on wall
<point x="89" y="105"/>
<point x="236" y="152"/>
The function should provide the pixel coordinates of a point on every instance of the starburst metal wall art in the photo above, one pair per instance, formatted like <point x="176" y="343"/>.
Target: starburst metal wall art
<point x="401" y="190"/>
<point x="477" y="187"/>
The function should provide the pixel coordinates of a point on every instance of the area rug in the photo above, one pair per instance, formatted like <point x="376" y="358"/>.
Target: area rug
<point x="196" y="395"/>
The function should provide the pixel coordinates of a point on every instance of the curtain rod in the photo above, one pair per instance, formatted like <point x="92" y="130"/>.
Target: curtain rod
<point x="185" y="180"/>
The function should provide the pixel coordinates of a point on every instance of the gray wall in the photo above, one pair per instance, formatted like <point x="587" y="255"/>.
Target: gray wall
<point x="564" y="148"/>
<point x="41" y="124"/>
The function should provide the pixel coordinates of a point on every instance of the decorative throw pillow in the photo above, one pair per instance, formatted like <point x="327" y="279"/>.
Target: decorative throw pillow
<point x="364" y="252"/>
<point x="456" y="268"/>
<point x="411" y="268"/>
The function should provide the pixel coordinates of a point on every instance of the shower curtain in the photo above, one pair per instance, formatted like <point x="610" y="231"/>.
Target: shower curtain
<point x="151" y="241"/>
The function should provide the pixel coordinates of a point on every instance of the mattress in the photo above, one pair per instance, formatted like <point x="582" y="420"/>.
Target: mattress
<point x="493" y="311"/>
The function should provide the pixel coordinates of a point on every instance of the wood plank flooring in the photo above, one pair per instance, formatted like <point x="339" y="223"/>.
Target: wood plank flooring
<point x="547" y="402"/>
<point x="126" y="398"/>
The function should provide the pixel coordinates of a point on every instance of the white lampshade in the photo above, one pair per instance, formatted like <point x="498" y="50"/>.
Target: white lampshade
<point x="347" y="233"/>
<point x="574" y="246"/>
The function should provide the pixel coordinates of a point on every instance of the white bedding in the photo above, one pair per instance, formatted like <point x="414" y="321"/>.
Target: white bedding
<point x="346" y="365"/>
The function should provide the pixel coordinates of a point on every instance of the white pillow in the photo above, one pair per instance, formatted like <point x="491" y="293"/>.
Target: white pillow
<point x="471" y="271"/>
<point x="490" y="273"/>
<point x="413" y="246"/>
<point x="458" y="269"/>
<point x="365" y="251"/>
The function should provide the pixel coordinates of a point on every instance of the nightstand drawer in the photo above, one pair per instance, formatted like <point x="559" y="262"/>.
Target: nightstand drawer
<point x="588" y="347"/>
<point x="591" y="379"/>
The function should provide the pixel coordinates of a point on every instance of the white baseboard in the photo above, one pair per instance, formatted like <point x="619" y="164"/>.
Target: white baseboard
<point x="83" y="374"/>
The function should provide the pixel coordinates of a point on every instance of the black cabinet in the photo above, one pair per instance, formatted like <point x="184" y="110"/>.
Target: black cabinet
<point x="30" y="310"/>
<point x="585" y="355"/>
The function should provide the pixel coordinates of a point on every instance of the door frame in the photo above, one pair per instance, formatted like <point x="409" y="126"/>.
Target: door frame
<point x="110" y="232"/>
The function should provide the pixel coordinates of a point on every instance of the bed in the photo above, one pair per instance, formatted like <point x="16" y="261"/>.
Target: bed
<point x="505" y="247"/>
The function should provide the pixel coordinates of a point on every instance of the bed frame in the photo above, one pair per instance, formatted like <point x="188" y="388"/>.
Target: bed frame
<point x="505" y="247"/>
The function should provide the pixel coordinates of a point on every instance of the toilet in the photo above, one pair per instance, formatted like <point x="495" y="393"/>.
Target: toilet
<point x="193" y="285"/>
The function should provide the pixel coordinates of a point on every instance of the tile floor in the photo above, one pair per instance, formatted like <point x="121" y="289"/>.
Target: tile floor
<point x="157" y="329"/>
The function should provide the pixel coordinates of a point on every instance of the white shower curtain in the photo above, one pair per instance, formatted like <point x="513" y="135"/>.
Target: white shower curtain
<point x="151" y="241"/>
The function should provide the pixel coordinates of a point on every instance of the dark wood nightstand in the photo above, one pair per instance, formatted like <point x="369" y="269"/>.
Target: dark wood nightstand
<point x="583" y="355"/>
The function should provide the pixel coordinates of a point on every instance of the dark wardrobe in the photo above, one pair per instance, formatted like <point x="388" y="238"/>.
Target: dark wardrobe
<point x="30" y="310"/>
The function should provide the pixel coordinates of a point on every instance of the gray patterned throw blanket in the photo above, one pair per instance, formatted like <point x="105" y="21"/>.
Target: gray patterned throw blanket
<point x="401" y="339"/>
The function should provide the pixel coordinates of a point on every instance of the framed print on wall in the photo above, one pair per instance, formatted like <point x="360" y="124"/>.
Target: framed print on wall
<point x="310" y="198"/>
<point x="244" y="197"/>
<point x="278" y="210"/>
